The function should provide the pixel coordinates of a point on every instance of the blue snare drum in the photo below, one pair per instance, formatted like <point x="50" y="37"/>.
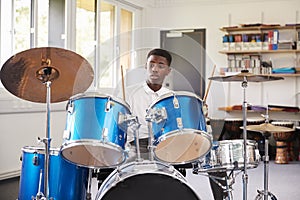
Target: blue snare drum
<point x="66" y="181"/>
<point x="179" y="128"/>
<point x="95" y="133"/>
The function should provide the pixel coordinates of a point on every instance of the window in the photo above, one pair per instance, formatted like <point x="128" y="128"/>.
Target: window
<point x="126" y="39"/>
<point x="85" y="28"/>
<point x="115" y="44"/>
<point x="21" y="28"/>
<point x="101" y="32"/>
<point x="30" y="24"/>
<point x="107" y="76"/>
<point x="24" y="28"/>
<point x="110" y="48"/>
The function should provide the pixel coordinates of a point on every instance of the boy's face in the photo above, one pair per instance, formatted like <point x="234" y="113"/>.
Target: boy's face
<point x="157" y="69"/>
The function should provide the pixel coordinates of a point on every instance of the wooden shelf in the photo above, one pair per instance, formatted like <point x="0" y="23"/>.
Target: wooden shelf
<point x="260" y="51"/>
<point x="258" y="28"/>
<point x="277" y="75"/>
<point x="286" y="75"/>
<point x="254" y="111"/>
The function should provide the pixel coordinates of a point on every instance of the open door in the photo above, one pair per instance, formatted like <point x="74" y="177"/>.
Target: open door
<point x="187" y="48"/>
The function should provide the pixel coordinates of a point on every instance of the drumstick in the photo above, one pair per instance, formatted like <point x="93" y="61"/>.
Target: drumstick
<point x="123" y="85"/>
<point x="209" y="84"/>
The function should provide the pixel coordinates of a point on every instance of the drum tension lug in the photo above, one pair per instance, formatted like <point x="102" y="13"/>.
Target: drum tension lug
<point x="107" y="105"/>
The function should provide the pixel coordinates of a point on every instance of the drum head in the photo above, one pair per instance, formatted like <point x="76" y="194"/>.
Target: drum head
<point x="184" y="146"/>
<point x="88" y="153"/>
<point x="146" y="181"/>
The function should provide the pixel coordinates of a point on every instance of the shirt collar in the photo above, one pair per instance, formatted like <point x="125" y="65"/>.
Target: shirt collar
<point x="160" y="92"/>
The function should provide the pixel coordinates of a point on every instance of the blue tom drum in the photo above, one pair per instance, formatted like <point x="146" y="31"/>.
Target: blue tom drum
<point x="95" y="133"/>
<point x="178" y="128"/>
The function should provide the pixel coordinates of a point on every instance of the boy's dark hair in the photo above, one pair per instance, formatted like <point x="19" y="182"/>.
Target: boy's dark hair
<point x="161" y="52"/>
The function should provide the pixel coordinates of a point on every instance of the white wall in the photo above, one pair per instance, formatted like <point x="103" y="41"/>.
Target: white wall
<point x="213" y="17"/>
<point x="23" y="129"/>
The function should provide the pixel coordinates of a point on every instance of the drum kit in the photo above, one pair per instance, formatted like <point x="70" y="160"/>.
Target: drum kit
<point x="96" y="134"/>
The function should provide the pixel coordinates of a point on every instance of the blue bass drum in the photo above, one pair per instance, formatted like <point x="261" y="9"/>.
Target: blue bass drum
<point x="178" y="128"/>
<point x="66" y="181"/>
<point x="95" y="133"/>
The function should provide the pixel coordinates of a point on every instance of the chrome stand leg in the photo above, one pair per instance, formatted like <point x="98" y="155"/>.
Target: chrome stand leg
<point x="263" y="194"/>
<point x="88" y="192"/>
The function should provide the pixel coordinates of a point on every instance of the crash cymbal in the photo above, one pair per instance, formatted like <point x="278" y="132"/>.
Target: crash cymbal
<point x="26" y="73"/>
<point x="245" y="75"/>
<point x="267" y="127"/>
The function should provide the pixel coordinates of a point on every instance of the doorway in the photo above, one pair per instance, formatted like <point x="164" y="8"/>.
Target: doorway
<point x="187" y="48"/>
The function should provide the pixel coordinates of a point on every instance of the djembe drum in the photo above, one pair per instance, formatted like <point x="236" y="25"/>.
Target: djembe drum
<point x="282" y="139"/>
<point x="254" y="135"/>
<point x="232" y="128"/>
<point x="297" y="132"/>
<point x="217" y="127"/>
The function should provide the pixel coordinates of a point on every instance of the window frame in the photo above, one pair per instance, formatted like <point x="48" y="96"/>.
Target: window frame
<point x="68" y="37"/>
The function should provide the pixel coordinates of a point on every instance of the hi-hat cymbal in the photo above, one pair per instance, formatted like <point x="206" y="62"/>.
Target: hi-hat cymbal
<point x="246" y="76"/>
<point x="26" y="73"/>
<point x="267" y="127"/>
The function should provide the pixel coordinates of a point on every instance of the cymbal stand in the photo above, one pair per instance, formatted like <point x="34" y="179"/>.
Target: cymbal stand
<point x="245" y="175"/>
<point x="44" y="195"/>
<point x="47" y="74"/>
<point x="40" y="195"/>
<point x="265" y="193"/>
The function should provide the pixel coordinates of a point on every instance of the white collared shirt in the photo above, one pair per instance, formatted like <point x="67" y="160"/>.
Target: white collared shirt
<point x="140" y="97"/>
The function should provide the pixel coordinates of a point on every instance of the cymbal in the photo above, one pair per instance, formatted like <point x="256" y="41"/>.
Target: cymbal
<point x="25" y="74"/>
<point x="267" y="127"/>
<point x="242" y="76"/>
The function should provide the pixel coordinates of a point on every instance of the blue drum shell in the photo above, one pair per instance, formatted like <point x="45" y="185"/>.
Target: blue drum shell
<point x="66" y="181"/>
<point x="89" y="118"/>
<point x="190" y="111"/>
